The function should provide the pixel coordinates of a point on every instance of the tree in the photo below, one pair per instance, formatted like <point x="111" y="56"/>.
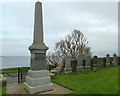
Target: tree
<point x="53" y="59"/>
<point x="73" y="44"/>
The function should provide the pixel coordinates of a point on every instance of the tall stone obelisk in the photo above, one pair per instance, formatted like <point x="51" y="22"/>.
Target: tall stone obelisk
<point x="38" y="78"/>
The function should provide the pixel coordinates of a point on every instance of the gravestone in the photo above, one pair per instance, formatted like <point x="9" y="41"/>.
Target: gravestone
<point x="61" y="67"/>
<point x="87" y="62"/>
<point x="115" y="60"/>
<point x="38" y="79"/>
<point x="67" y="62"/>
<point x="108" y="60"/>
<point x="95" y="61"/>
<point x="80" y="59"/>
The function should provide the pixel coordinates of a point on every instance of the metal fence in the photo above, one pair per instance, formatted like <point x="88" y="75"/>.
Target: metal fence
<point x="18" y="76"/>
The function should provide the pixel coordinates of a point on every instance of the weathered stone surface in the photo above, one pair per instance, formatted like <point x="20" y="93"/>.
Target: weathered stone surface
<point x="38" y="61"/>
<point x="108" y="60"/>
<point x="80" y="59"/>
<point x="38" y="74"/>
<point x="38" y="79"/>
<point x="87" y="62"/>
<point x="95" y="61"/>
<point x="115" y="60"/>
<point x="61" y="67"/>
<point x="38" y="24"/>
<point x="36" y="89"/>
<point x="67" y="63"/>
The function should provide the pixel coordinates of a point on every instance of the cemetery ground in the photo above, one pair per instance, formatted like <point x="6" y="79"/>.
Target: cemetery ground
<point x="99" y="81"/>
<point x="2" y="90"/>
<point x="13" y="70"/>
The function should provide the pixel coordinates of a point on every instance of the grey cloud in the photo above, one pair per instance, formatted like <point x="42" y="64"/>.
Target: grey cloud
<point x="95" y="20"/>
<point x="18" y="18"/>
<point x="15" y="46"/>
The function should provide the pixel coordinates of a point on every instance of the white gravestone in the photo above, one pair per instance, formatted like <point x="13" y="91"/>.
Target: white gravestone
<point x="67" y="63"/>
<point x="80" y="59"/>
<point x="108" y="60"/>
<point x="95" y="61"/>
<point x="115" y="60"/>
<point x="87" y="62"/>
<point x="60" y="67"/>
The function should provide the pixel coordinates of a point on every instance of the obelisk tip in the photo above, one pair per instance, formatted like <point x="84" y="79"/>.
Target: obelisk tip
<point x="38" y="2"/>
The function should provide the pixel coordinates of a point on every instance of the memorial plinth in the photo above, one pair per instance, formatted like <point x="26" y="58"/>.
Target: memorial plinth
<point x="38" y="78"/>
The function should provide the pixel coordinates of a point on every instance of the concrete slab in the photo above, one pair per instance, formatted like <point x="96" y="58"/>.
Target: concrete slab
<point x="15" y="88"/>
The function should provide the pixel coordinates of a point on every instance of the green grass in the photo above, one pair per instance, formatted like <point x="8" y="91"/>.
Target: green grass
<point x="101" y="81"/>
<point x="9" y="70"/>
<point x="13" y="70"/>
<point x="2" y="90"/>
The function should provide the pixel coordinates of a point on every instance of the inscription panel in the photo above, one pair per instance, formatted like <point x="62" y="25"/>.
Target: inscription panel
<point x="38" y="61"/>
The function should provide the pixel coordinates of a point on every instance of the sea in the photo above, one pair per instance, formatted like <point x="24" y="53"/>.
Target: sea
<point x="14" y="61"/>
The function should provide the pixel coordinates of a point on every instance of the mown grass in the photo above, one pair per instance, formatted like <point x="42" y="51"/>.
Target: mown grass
<point x="101" y="81"/>
<point x="13" y="70"/>
<point x="2" y="91"/>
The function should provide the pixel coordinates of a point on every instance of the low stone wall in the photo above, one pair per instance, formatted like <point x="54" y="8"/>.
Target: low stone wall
<point x="101" y="62"/>
<point x="119" y="61"/>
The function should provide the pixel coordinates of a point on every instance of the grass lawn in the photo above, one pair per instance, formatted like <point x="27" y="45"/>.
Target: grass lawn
<point x="13" y="70"/>
<point x="2" y="90"/>
<point x="101" y="81"/>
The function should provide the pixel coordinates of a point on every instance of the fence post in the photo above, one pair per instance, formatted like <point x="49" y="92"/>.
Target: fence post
<point x="21" y="74"/>
<point x="18" y="74"/>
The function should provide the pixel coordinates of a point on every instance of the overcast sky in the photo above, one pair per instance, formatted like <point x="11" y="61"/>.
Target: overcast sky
<point x="97" y="20"/>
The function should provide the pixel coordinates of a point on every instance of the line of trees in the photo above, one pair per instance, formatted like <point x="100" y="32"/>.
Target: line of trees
<point x="73" y="44"/>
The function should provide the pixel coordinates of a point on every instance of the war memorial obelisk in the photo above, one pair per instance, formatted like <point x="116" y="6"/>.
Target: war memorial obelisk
<point x="38" y="79"/>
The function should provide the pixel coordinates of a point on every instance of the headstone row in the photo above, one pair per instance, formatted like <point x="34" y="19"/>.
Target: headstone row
<point x="111" y="62"/>
<point x="86" y="62"/>
<point x="82" y="63"/>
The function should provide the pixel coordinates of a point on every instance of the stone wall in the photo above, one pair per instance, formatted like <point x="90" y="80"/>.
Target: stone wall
<point x="102" y="61"/>
<point x="119" y="61"/>
<point x="99" y="62"/>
